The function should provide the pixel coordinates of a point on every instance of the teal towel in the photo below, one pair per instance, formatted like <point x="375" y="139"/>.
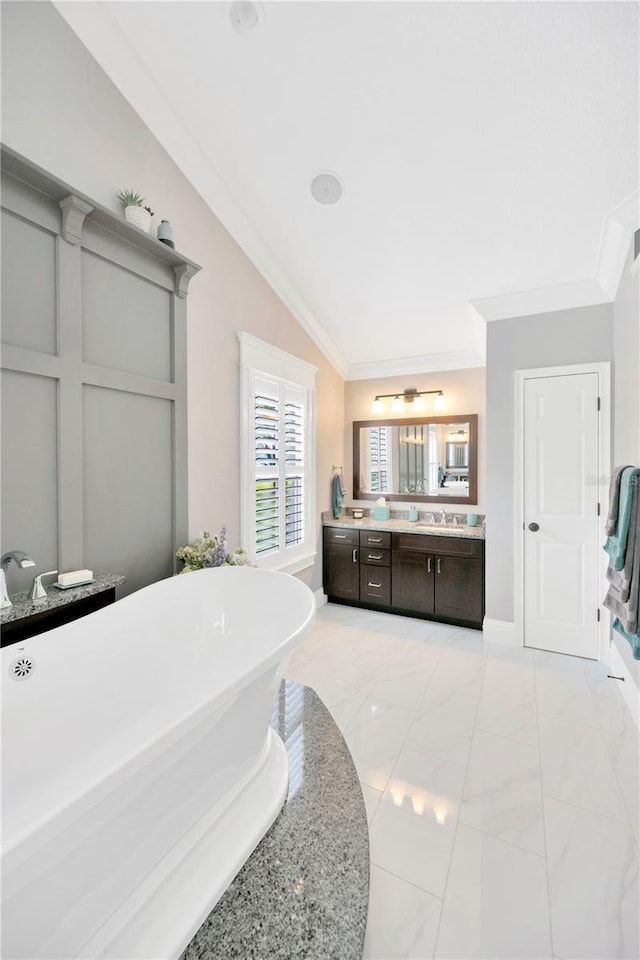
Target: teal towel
<point x="616" y="544"/>
<point x="336" y="496"/>
<point x="633" y="638"/>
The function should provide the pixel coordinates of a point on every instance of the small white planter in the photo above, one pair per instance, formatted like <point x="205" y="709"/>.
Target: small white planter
<point x="138" y="216"/>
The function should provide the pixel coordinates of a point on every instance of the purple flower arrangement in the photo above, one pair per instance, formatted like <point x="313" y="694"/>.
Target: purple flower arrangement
<point x="210" y="551"/>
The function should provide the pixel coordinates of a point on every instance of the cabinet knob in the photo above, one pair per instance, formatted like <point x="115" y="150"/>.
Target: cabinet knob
<point x="438" y="568"/>
<point x="354" y="555"/>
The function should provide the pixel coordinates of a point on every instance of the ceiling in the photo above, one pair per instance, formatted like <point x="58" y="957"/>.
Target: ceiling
<point x="481" y="147"/>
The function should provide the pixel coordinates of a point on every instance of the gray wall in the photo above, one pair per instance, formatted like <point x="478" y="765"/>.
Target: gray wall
<point x="582" y="335"/>
<point x="94" y="414"/>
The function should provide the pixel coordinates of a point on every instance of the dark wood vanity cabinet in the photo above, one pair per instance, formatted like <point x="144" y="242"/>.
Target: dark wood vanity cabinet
<point x="340" y="564"/>
<point x="442" y="576"/>
<point x="439" y="578"/>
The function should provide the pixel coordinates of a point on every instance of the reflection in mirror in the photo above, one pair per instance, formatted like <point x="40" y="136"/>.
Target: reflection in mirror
<point x="418" y="459"/>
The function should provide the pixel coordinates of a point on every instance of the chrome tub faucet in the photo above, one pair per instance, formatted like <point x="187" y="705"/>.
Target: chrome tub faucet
<point x="22" y="560"/>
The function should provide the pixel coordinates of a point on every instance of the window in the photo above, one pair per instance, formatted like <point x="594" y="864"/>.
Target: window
<point x="379" y="456"/>
<point x="278" y="443"/>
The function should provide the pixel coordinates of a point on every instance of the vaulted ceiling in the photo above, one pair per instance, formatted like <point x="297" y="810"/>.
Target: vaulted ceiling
<point x="481" y="148"/>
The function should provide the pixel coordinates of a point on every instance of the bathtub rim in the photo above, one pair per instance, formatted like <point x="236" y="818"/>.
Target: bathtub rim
<point x="24" y="843"/>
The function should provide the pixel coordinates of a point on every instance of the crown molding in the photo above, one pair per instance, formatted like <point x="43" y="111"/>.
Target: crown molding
<point x="524" y="303"/>
<point x="426" y="363"/>
<point x="617" y="235"/>
<point x="97" y="30"/>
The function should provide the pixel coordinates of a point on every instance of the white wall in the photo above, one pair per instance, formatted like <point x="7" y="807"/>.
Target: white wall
<point x="626" y="351"/>
<point x="626" y="397"/>
<point x="465" y="392"/>
<point x="62" y="112"/>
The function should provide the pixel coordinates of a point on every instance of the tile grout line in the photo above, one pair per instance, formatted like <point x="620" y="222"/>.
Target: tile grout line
<point x="616" y="773"/>
<point x="455" y="835"/>
<point x="544" y="818"/>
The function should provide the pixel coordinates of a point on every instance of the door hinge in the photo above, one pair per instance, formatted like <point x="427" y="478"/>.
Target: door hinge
<point x="598" y="509"/>
<point x="598" y="615"/>
<point x="598" y="403"/>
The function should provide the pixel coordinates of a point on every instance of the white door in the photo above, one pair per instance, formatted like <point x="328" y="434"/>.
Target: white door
<point x="561" y="526"/>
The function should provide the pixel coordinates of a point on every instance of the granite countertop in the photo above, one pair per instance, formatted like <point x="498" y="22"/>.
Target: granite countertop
<point x="402" y="525"/>
<point x="24" y="607"/>
<point x="304" y="891"/>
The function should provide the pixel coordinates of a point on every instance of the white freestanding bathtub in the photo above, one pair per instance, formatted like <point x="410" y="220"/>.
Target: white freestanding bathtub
<point x="139" y="767"/>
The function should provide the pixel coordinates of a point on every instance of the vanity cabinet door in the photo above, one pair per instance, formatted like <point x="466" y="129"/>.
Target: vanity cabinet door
<point x="341" y="570"/>
<point x="412" y="581"/>
<point x="459" y="588"/>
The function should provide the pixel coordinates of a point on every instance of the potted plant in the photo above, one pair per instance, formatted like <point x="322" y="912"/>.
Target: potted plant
<point x="134" y="210"/>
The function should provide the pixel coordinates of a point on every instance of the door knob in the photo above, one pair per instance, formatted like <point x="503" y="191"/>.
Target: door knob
<point x="533" y="527"/>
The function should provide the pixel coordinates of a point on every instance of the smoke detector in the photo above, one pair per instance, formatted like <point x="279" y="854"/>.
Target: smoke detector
<point x="326" y="188"/>
<point x="245" y="15"/>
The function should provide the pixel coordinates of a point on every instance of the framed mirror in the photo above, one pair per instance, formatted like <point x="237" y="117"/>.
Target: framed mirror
<point x="430" y="459"/>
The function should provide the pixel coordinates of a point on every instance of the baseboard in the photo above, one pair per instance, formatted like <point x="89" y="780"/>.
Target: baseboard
<point x="628" y="685"/>
<point x="321" y="598"/>
<point x="501" y="631"/>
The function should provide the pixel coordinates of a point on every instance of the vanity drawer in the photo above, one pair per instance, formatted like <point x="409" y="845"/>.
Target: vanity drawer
<point x="375" y="558"/>
<point x="375" y="538"/>
<point x="341" y="535"/>
<point x="448" y="546"/>
<point x="375" y="585"/>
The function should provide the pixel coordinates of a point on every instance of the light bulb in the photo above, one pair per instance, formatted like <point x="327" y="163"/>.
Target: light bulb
<point x="376" y="406"/>
<point x="418" y="403"/>
<point x="440" y="401"/>
<point x="396" y="405"/>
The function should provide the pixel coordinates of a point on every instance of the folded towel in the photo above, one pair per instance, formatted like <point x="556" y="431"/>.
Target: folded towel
<point x="623" y="594"/>
<point x="614" y="496"/>
<point x="336" y="496"/>
<point x="632" y="638"/>
<point x="621" y="579"/>
<point x="616" y="544"/>
<point x="343" y="486"/>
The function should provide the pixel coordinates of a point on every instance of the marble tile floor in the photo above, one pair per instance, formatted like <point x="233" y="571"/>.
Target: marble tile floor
<point x="501" y="787"/>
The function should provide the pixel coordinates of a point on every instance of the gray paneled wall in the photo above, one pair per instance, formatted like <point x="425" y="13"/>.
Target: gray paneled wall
<point x="93" y="387"/>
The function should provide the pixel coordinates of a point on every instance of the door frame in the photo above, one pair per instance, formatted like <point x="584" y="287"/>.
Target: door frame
<point x="603" y="369"/>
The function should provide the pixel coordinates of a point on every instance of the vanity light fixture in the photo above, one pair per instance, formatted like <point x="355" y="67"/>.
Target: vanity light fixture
<point x="408" y="396"/>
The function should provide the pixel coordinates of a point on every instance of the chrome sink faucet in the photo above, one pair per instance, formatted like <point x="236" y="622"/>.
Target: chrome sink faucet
<point x="22" y="560"/>
<point x="38" y="592"/>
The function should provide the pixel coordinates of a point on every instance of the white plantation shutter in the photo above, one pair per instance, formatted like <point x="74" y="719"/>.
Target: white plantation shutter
<point x="278" y="528"/>
<point x="294" y="419"/>
<point x="267" y="464"/>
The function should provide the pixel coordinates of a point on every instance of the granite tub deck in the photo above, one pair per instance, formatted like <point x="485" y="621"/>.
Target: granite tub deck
<point x="55" y="598"/>
<point x="304" y="891"/>
<point x="28" y="618"/>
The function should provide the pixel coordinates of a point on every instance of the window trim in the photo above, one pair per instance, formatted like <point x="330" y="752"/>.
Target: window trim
<point x="258" y="358"/>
